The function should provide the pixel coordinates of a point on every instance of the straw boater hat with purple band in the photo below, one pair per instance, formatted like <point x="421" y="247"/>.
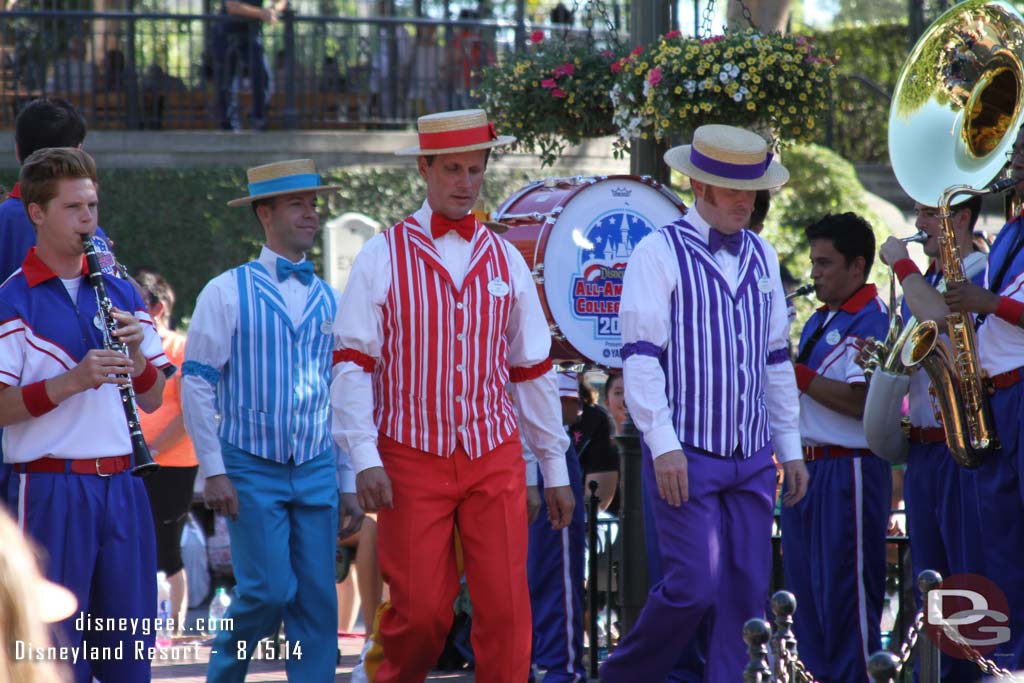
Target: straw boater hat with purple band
<point x="726" y="156"/>
<point x="455" y="131"/>
<point x="282" y="177"/>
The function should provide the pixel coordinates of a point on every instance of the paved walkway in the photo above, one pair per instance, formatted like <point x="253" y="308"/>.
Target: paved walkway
<point x="186" y="663"/>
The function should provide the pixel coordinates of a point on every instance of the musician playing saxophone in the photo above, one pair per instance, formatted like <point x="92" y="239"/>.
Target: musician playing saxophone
<point x="940" y="496"/>
<point x="66" y="433"/>
<point x="999" y="304"/>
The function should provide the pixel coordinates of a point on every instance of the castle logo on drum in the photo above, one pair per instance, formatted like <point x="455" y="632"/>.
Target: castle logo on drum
<point x="622" y="192"/>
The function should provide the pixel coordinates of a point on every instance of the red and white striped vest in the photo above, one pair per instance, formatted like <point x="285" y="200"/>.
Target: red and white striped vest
<point x="444" y="366"/>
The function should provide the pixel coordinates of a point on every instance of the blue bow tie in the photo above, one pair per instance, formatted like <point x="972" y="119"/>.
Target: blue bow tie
<point x="303" y="272"/>
<point x="731" y="243"/>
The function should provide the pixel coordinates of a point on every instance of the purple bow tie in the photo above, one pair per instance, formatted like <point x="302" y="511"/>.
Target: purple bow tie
<point x="731" y="243"/>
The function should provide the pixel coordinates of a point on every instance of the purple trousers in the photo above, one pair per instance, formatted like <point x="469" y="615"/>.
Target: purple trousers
<point x="716" y="562"/>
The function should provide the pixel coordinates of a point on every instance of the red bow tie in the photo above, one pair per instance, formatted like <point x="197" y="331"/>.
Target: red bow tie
<point x="441" y="224"/>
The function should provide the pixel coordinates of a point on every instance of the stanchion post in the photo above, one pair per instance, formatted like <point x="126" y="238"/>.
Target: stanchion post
<point x="928" y="653"/>
<point x="593" y="505"/>
<point x="634" y="585"/>
<point x="883" y="667"/>
<point x="756" y="633"/>
<point x="784" y="640"/>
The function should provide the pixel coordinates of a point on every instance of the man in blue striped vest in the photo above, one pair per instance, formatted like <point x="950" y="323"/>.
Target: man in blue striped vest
<point x="710" y="384"/>
<point x="833" y="541"/>
<point x="259" y="354"/>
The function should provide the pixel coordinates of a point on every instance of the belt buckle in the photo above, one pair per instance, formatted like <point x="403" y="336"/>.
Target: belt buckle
<point x="98" y="472"/>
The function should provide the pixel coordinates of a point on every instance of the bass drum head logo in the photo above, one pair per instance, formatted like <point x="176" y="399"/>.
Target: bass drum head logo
<point x="586" y="257"/>
<point x="967" y="615"/>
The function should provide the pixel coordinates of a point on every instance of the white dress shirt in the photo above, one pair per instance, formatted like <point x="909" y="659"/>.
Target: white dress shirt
<point x="645" y="309"/>
<point x="360" y="326"/>
<point x="214" y="323"/>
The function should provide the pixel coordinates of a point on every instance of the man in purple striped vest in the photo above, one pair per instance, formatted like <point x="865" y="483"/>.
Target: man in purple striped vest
<point x="710" y="384"/>
<point x="833" y="541"/>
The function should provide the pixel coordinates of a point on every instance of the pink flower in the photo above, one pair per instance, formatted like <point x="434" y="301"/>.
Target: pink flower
<point x="558" y="93"/>
<point x="654" y="78"/>
<point x="607" y="54"/>
<point x="713" y="39"/>
<point x="637" y="50"/>
<point x="567" y="69"/>
<point x="617" y="66"/>
<point x="537" y="37"/>
<point x="548" y="83"/>
<point x="672" y="34"/>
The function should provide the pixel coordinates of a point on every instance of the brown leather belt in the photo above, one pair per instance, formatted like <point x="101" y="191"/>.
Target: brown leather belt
<point x="103" y="467"/>
<point x="1006" y="380"/>
<point x="812" y="453"/>
<point x="927" y="434"/>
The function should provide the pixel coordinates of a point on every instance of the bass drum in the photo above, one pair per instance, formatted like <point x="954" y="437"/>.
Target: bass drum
<point x="576" y="235"/>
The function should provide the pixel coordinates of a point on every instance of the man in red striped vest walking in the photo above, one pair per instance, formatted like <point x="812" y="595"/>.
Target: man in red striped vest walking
<point x="439" y="315"/>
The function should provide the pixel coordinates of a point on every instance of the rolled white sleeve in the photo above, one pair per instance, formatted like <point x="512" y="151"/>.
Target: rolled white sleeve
<point x="647" y="287"/>
<point x="780" y="393"/>
<point x="207" y="349"/>
<point x="358" y="335"/>
<point x="529" y="347"/>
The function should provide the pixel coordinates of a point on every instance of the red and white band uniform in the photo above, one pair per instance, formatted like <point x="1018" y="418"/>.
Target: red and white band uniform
<point x="431" y="331"/>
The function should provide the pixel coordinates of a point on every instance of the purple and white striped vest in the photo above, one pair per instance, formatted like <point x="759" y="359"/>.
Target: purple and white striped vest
<point x="715" y="360"/>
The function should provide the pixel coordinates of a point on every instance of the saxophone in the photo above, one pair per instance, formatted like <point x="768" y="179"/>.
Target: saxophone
<point x="954" y="368"/>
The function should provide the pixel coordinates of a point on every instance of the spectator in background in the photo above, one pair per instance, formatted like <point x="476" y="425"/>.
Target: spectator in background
<point x="592" y="435"/>
<point x="427" y="73"/>
<point x="471" y="54"/>
<point x="241" y="50"/>
<point x="159" y="81"/>
<point x="115" y="70"/>
<point x="762" y="202"/>
<point x="170" y="487"/>
<point x="72" y="72"/>
<point x="615" y="400"/>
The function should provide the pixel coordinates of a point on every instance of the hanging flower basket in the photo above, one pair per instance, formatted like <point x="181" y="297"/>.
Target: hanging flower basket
<point x="771" y="83"/>
<point x="553" y="96"/>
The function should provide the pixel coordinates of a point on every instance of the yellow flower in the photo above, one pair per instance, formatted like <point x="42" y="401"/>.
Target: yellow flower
<point x="751" y="106"/>
<point x="678" y="90"/>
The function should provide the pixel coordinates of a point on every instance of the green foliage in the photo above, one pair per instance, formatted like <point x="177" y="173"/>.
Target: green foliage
<point x="860" y="113"/>
<point x="178" y="222"/>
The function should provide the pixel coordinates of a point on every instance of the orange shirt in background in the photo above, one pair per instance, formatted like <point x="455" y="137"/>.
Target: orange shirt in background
<point x="181" y="454"/>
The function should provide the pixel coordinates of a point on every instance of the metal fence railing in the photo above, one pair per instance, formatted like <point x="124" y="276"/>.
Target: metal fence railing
<point x="133" y="70"/>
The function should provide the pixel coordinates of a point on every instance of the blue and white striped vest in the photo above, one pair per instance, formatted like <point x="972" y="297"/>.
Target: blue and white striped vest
<point x="715" y="360"/>
<point x="274" y="395"/>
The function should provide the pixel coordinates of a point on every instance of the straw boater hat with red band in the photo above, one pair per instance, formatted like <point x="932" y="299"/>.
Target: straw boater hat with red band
<point x="726" y="156"/>
<point x="282" y="177"/>
<point x="455" y="131"/>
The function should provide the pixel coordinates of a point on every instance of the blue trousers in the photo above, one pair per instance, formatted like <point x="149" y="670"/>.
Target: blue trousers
<point x="833" y="553"/>
<point x="97" y="533"/>
<point x="1000" y="487"/>
<point x="282" y="551"/>
<point x="944" y="527"/>
<point x="554" y="569"/>
<point x="716" y="558"/>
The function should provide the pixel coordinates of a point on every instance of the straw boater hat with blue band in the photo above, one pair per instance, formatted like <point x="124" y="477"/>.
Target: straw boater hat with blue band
<point x="726" y="156"/>
<point x="455" y="131"/>
<point x="282" y="177"/>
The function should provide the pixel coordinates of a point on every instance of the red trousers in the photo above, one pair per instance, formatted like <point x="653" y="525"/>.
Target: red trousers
<point x="486" y="500"/>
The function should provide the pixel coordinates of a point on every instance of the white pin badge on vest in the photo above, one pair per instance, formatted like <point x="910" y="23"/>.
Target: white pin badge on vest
<point x="97" y="321"/>
<point x="497" y="287"/>
<point x="327" y="326"/>
<point x="833" y="337"/>
<point x="765" y="285"/>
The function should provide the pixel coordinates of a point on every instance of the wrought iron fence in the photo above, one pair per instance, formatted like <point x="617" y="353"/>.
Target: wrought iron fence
<point x="158" y="70"/>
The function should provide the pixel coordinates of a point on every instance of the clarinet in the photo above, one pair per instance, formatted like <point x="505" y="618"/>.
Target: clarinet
<point x="141" y="457"/>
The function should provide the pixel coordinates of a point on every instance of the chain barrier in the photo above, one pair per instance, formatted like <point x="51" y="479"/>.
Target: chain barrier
<point x="602" y="11"/>
<point x="802" y="674"/>
<point x="786" y="661"/>
<point x="705" y="22"/>
<point x="910" y="640"/>
<point x="746" y="14"/>
<point x="987" y="666"/>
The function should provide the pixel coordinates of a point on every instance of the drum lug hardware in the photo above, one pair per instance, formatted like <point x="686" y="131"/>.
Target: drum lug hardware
<point x="556" y="333"/>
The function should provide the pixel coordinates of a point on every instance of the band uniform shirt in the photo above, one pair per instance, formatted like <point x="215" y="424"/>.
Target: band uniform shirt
<point x="1001" y="344"/>
<point x="922" y="406"/>
<point x="712" y="355"/>
<point x="360" y="329"/>
<point x="282" y="425"/>
<point x="863" y="315"/>
<point x="38" y="341"/>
